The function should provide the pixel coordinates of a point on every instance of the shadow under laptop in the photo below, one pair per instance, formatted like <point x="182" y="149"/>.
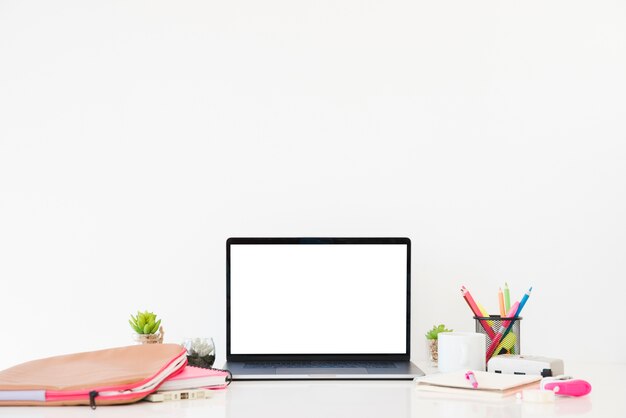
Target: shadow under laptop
<point x="318" y="399"/>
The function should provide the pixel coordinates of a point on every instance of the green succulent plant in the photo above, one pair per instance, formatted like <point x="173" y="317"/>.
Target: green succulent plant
<point x="434" y="333"/>
<point x="144" y="323"/>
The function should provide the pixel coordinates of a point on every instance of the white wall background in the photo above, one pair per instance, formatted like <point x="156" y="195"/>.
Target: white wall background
<point x="136" y="136"/>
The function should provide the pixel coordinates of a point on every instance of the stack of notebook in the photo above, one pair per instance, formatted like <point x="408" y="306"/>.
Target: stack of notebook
<point x="191" y="383"/>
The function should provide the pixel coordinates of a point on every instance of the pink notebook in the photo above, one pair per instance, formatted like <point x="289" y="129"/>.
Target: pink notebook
<point x="196" y="377"/>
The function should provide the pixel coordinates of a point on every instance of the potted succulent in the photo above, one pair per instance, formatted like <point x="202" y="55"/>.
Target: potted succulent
<point x="431" y="339"/>
<point x="148" y="329"/>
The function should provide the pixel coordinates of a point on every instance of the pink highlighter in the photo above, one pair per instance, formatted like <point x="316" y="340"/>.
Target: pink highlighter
<point x="566" y="385"/>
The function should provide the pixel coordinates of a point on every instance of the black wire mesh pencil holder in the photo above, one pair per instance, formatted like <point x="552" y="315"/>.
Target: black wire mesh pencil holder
<point x="509" y="343"/>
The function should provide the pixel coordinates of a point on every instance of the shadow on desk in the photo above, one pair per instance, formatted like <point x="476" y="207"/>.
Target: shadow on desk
<point x="319" y="399"/>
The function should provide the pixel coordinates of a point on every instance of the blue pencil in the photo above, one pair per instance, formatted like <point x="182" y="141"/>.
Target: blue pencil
<point x="523" y="301"/>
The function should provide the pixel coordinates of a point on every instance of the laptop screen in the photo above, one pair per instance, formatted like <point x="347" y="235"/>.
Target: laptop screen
<point x="318" y="296"/>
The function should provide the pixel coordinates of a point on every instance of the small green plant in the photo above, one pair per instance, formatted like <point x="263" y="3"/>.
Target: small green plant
<point x="434" y="333"/>
<point x="144" y="323"/>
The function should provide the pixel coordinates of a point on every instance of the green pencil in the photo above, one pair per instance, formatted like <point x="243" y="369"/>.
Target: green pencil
<point x="507" y="297"/>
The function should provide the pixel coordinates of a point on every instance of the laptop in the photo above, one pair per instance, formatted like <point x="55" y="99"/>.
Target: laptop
<point x="318" y="308"/>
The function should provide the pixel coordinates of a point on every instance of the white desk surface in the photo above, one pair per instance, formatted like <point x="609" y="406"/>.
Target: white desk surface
<point x="361" y="399"/>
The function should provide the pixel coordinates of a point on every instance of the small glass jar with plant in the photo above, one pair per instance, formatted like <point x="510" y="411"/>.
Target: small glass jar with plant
<point x="200" y="352"/>
<point x="431" y="340"/>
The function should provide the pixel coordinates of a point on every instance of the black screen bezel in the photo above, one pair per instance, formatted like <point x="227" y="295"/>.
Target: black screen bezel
<point x="319" y="357"/>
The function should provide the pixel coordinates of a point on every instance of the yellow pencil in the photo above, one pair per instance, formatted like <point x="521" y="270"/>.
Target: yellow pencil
<point x="484" y="313"/>
<point x="501" y="302"/>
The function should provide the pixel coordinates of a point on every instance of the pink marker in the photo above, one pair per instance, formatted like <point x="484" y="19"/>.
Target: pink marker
<point x="470" y="376"/>
<point x="566" y="386"/>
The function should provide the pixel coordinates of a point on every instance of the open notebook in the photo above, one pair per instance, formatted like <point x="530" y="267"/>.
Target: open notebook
<point x="490" y="385"/>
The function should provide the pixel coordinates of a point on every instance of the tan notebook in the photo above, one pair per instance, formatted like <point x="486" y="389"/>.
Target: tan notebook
<point x="113" y="376"/>
<point x="490" y="385"/>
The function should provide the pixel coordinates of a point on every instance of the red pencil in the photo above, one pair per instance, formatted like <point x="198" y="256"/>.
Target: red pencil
<point x="474" y="307"/>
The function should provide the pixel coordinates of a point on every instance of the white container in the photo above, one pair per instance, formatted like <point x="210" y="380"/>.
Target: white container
<point x="461" y="351"/>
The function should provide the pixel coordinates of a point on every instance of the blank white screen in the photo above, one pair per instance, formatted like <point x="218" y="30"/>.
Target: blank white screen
<point x="318" y="299"/>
